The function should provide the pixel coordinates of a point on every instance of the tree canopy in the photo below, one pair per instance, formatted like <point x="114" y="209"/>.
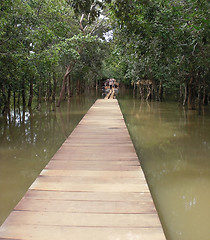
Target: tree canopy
<point x="50" y="45"/>
<point x="166" y="42"/>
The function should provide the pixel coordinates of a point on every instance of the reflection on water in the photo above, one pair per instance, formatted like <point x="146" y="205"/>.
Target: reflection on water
<point x="28" y="139"/>
<point x="174" y="150"/>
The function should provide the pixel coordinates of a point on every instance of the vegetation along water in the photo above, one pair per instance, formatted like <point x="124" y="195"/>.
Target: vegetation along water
<point x="55" y="50"/>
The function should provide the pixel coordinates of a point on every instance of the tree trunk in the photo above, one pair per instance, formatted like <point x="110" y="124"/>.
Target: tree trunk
<point x="54" y="86"/>
<point x="62" y="92"/>
<point x="8" y="104"/>
<point x="205" y="96"/>
<point x="69" y="87"/>
<point x="148" y="93"/>
<point x="23" y="92"/>
<point x="155" y="97"/>
<point x="141" y="91"/>
<point x="31" y="126"/>
<point x="134" y="89"/>
<point x="6" y="99"/>
<point x="154" y="87"/>
<point x="18" y="101"/>
<point x="40" y="96"/>
<point x="78" y="87"/>
<point x="185" y="94"/>
<point x="49" y="92"/>
<point x="190" y="95"/>
<point x="96" y="85"/>
<point x="181" y="97"/>
<point x="160" y="94"/>
<point x="14" y="104"/>
<point x="30" y="93"/>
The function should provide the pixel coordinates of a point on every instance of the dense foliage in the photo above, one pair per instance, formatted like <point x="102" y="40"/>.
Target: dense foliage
<point x="57" y="46"/>
<point x="39" y="39"/>
<point x="166" y="42"/>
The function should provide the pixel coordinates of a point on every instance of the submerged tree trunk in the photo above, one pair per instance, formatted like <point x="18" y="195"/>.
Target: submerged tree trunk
<point x="190" y="101"/>
<point x="185" y="94"/>
<point x="141" y="91"/>
<point x="30" y="94"/>
<point x="40" y="96"/>
<point x="78" y="87"/>
<point x="49" y="88"/>
<point x="134" y="89"/>
<point x="205" y="96"/>
<point x="54" y="86"/>
<point x="18" y="101"/>
<point x="181" y="95"/>
<point x="160" y="93"/>
<point x="14" y="104"/>
<point x="69" y="87"/>
<point x="148" y="93"/>
<point x="8" y="97"/>
<point x="23" y="92"/>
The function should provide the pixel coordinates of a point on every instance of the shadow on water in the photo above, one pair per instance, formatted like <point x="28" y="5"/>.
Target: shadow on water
<point x="28" y="139"/>
<point x="173" y="146"/>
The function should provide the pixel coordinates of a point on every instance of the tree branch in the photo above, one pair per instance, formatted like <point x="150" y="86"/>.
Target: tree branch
<point x="96" y="26"/>
<point x="80" y="23"/>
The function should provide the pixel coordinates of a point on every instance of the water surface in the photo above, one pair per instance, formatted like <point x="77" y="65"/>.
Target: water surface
<point x="28" y="139"/>
<point x="173" y="145"/>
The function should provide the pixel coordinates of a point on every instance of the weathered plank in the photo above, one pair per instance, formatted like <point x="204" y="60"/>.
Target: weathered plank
<point x="65" y="186"/>
<point x="89" y="196"/>
<point x="93" y="188"/>
<point x="46" y="232"/>
<point x="44" y="205"/>
<point x="84" y="219"/>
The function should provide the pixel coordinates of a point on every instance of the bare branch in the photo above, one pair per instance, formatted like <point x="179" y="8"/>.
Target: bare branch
<point x="80" y="23"/>
<point x="194" y="49"/>
<point x="99" y="23"/>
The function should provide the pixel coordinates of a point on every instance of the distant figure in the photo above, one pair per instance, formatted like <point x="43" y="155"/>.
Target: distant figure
<point x="110" y="83"/>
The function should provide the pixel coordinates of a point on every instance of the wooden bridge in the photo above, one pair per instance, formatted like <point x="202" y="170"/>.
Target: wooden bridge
<point x="93" y="188"/>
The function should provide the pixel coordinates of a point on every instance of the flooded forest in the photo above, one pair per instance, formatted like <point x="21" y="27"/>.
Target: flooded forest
<point x="56" y="55"/>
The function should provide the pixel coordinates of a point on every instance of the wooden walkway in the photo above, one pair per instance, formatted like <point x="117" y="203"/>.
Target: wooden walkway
<point x="110" y="94"/>
<point x="93" y="188"/>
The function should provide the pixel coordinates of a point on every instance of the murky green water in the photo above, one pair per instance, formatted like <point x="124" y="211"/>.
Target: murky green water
<point x="28" y="141"/>
<point x="173" y="146"/>
<point x="174" y="150"/>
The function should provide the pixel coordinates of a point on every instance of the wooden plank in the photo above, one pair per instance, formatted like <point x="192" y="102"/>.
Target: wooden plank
<point x="50" y="205"/>
<point x="95" y="162"/>
<point x="94" y="157"/>
<point x="83" y="219"/>
<point x="90" y="180"/>
<point x="65" y="186"/>
<point x="107" y="174"/>
<point x="46" y="232"/>
<point x="89" y="196"/>
<point x="93" y="188"/>
<point x="62" y="166"/>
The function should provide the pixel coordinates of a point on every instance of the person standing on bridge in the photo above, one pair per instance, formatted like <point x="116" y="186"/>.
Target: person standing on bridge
<point x="110" y="83"/>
